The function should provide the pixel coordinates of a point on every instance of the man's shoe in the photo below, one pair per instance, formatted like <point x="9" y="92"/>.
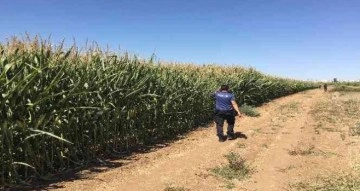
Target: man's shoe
<point x="222" y="138"/>
<point x="231" y="136"/>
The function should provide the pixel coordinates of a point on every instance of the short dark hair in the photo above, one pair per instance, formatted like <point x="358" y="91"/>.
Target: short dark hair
<point x="224" y="87"/>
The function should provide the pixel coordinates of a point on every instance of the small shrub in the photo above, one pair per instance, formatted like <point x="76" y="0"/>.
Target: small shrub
<point x="236" y="162"/>
<point x="236" y="169"/>
<point x="249" y="111"/>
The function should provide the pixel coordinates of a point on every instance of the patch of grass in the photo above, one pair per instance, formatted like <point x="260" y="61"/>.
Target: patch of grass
<point x="236" y="169"/>
<point x="318" y="108"/>
<point x="345" y="88"/>
<point x="175" y="188"/>
<point x="331" y="114"/>
<point x="338" y="182"/>
<point x="351" y="107"/>
<point x="229" y="185"/>
<point x="289" y="106"/>
<point x="249" y="110"/>
<point x="241" y="145"/>
<point x="237" y="163"/>
<point x="325" y="112"/>
<point x="227" y="173"/>
<point x="294" y="105"/>
<point x="320" y="126"/>
<point x="289" y="110"/>
<point x="355" y="131"/>
<point x="302" y="150"/>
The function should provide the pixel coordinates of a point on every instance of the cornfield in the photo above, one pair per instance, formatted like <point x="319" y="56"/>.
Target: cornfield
<point x="62" y="108"/>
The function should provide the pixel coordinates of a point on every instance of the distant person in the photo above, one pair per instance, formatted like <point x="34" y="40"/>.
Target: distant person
<point x="225" y="109"/>
<point x="325" y="87"/>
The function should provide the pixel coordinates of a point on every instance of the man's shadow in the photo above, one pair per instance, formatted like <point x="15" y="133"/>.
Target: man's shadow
<point x="240" y="135"/>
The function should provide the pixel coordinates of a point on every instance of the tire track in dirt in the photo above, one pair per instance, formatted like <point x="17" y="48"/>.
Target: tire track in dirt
<point x="284" y="124"/>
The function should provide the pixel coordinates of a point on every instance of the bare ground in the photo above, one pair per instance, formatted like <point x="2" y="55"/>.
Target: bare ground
<point x="296" y="138"/>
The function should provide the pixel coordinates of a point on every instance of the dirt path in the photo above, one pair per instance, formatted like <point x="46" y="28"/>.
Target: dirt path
<point x="289" y="142"/>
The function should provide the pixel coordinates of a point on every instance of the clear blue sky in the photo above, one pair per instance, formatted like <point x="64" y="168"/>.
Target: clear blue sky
<point x="300" y="39"/>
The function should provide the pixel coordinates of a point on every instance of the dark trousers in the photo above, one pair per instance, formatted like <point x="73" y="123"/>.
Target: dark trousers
<point x="219" y="120"/>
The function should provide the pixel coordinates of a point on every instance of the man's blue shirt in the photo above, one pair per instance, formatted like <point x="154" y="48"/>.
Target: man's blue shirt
<point x="223" y="101"/>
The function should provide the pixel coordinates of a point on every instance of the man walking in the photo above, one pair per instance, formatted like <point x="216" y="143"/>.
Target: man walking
<point x="325" y="87"/>
<point x="225" y="109"/>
